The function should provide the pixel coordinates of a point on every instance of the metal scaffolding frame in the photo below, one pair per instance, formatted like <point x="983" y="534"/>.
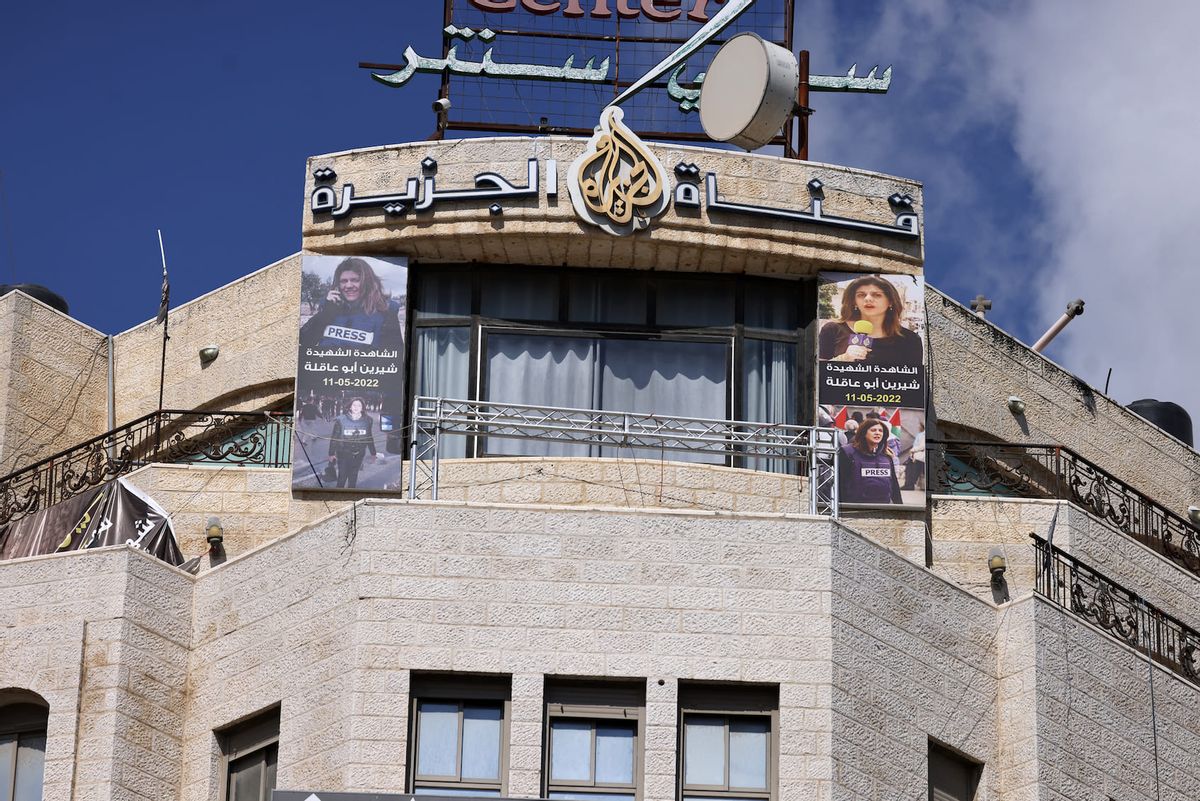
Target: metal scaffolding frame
<point x="815" y="449"/>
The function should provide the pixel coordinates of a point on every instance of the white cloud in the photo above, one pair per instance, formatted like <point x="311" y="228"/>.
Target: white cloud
<point x="1059" y="143"/>
<point x="1103" y="101"/>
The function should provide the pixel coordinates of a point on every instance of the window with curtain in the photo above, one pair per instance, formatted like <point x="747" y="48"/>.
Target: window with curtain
<point x="22" y="748"/>
<point x="715" y="347"/>
<point x="683" y="378"/>
<point x="728" y="740"/>
<point x="250" y="753"/>
<point x="594" y="735"/>
<point x="459" y="735"/>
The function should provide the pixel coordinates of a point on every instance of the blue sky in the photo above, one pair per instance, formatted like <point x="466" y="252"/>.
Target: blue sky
<point x="1055" y="141"/>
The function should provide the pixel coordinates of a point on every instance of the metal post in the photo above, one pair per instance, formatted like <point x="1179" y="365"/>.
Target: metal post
<point x="802" y="102"/>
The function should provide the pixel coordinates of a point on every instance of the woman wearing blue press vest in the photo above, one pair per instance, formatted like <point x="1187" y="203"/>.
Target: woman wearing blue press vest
<point x="357" y="313"/>
<point x="867" y="467"/>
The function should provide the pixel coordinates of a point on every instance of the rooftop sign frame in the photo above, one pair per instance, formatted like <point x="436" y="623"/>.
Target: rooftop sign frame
<point x="536" y="30"/>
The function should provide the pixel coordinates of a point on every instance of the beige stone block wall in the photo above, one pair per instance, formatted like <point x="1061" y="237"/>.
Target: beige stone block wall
<point x="255" y="504"/>
<point x="965" y="529"/>
<point x="975" y="367"/>
<point x="514" y="590"/>
<point x="914" y="658"/>
<point x="1096" y="724"/>
<point x="275" y="628"/>
<point x="102" y="635"/>
<point x="53" y="381"/>
<point x="1016" y="763"/>
<point x="902" y="532"/>
<point x="48" y="659"/>
<point x="546" y="231"/>
<point x="620" y="482"/>
<point x="252" y="320"/>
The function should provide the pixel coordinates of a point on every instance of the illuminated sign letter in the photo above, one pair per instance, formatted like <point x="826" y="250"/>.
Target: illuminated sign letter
<point x="624" y="9"/>
<point x="601" y="9"/>
<point x="495" y="5"/>
<point x="538" y="7"/>
<point x="573" y="9"/>
<point x="658" y="14"/>
<point x="699" y="11"/>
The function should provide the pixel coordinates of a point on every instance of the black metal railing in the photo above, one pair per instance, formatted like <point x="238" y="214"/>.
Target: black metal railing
<point x="260" y="439"/>
<point x="1069" y="583"/>
<point x="1055" y="471"/>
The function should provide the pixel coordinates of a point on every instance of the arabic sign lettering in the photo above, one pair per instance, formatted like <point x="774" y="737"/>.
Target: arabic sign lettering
<point x="871" y="384"/>
<point x="563" y="61"/>
<point x="624" y="154"/>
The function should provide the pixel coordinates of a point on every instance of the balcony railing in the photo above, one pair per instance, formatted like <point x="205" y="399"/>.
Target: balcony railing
<point x="1122" y="613"/>
<point x="1053" y="471"/>
<point x="814" y="450"/>
<point x="260" y="439"/>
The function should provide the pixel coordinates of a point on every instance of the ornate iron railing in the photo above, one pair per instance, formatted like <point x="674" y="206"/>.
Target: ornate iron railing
<point x="261" y="439"/>
<point x="1054" y="471"/>
<point x="1122" y="613"/>
<point x="814" y="449"/>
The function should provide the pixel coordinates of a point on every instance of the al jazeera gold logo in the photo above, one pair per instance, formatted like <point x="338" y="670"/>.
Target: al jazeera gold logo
<point x="617" y="183"/>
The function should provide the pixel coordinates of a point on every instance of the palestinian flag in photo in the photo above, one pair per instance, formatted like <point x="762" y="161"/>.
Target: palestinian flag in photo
<point x="839" y="420"/>
<point x="894" y="422"/>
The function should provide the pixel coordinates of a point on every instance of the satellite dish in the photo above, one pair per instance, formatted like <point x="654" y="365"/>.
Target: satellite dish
<point x="749" y="91"/>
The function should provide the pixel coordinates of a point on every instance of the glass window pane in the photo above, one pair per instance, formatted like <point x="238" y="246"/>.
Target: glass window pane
<point x="593" y="796"/>
<point x="748" y="753"/>
<point x="481" y="742"/>
<point x="704" y="750"/>
<point x="443" y="295"/>
<point x="520" y="296"/>
<point x="773" y="305"/>
<point x="769" y="391"/>
<point x="614" y="753"/>
<point x="245" y="777"/>
<point x="607" y="299"/>
<point x="540" y="371"/>
<point x="443" y="372"/>
<point x="31" y="759"/>
<point x="570" y="750"/>
<point x="454" y="791"/>
<point x="8" y="761"/>
<point x="694" y="304"/>
<point x="666" y="378"/>
<point x="437" y="739"/>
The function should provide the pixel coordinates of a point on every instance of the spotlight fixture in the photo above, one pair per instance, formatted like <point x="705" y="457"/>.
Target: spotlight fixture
<point x="997" y="564"/>
<point x="214" y="533"/>
<point x="209" y="354"/>
<point x="1016" y="406"/>
<point x="1194" y="515"/>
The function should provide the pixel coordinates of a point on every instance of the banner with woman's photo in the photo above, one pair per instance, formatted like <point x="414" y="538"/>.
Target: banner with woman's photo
<point x="871" y="384"/>
<point x="350" y="375"/>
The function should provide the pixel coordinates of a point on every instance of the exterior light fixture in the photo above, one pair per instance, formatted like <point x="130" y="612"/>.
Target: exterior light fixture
<point x="997" y="564"/>
<point x="1194" y="515"/>
<point x="209" y="354"/>
<point x="214" y="534"/>
<point x="1016" y="406"/>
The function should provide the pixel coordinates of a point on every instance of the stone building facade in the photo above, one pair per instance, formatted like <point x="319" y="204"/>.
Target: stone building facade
<point x="655" y="602"/>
